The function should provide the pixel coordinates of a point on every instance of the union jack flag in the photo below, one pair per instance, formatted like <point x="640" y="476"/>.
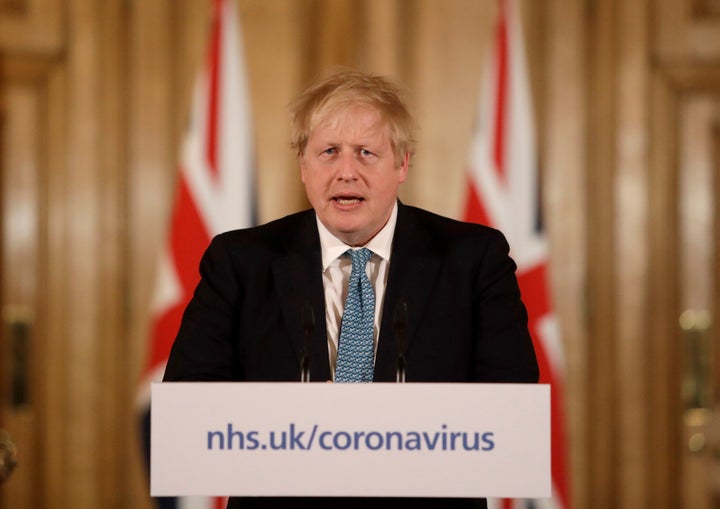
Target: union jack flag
<point x="503" y="192"/>
<point x="215" y="193"/>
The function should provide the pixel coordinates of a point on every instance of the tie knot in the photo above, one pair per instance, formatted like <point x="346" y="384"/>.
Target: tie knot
<point x="359" y="257"/>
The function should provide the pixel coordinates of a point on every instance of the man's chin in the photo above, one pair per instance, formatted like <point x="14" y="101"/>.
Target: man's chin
<point x="345" y="224"/>
<point x="352" y="235"/>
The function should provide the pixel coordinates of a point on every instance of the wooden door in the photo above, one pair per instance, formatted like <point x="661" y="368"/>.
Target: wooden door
<point x="687" y="97"/>
<point x="24" y="134"/>
<point x="699" y="281"/>
<point x="65" y="397"/>
<point x="631" y="156"/>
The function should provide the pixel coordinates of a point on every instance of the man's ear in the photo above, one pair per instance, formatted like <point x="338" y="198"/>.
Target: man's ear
<point x="403" y="168"/>
<point x="301" y="163"/>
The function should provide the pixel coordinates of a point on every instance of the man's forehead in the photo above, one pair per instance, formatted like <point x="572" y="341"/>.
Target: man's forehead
<point x="363" y="121"/>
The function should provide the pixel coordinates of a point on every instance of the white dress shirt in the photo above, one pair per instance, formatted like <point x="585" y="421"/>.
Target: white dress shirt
<point x="336" y="272"/>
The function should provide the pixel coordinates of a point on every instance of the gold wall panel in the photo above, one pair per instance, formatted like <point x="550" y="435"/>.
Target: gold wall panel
<point x="31" y="26"/>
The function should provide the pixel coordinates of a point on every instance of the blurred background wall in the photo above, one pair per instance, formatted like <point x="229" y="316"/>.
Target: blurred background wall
<point x="94" y="95"/>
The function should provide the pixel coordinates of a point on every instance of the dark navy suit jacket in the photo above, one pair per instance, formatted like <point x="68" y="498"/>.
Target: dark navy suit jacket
<point x="465" y="320"/>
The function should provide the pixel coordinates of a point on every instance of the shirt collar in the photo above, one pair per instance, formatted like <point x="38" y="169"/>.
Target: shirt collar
<point x="381" y="244"/>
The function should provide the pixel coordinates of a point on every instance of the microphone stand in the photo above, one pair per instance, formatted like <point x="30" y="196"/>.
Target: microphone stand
<point x="308" y="323"/>
<point x="399" y="324"/>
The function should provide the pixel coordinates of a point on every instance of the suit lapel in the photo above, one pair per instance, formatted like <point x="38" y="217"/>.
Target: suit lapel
<point x="298" y="278"/>
<point x="413" y="271"/>
<point x="414" y="268"/>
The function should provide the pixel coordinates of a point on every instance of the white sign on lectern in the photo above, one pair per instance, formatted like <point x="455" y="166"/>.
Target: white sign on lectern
<point x="322" y="439"/>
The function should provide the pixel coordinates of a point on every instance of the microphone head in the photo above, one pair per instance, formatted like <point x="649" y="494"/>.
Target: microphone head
<point x="307" y="316"/>
<point x="400" y="315"/>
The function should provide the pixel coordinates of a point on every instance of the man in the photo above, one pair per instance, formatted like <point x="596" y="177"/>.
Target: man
<point x="363" y="261"/>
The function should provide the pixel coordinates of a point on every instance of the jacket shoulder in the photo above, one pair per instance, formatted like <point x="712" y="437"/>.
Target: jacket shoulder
<point x="450" y="230"/>
<point x="276" y="235"/>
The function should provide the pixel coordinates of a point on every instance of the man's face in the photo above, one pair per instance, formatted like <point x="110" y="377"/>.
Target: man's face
<point x="350" y="174"/>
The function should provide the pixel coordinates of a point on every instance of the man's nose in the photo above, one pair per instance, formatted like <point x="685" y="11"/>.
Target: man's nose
<point x="347" y="168"/>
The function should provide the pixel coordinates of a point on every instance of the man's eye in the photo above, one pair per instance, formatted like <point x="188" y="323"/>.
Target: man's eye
<point x="365" y="153"/>
<point x="330" y="151"/>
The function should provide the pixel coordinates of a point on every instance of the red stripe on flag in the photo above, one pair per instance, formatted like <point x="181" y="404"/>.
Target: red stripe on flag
<point x="532" y="285"/>
<point x="214" y="59"/>
<point x="189" y="238"/>
<point x="501" y="42"/>
<point x="534" y="288"/>
<point x="163" y="331"/>
<point x="474" y="209"/>
<point x="187" y="242"/>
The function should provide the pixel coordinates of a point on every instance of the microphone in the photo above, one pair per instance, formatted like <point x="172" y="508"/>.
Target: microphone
<point x="307" y="317"/>
<point x="399" y="324"/>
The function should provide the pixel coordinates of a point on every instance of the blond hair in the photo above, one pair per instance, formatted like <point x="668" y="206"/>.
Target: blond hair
<point x="345" y="89"/>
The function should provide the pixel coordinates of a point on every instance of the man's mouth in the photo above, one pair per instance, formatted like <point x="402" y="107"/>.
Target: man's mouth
<point x="347" y="200"/>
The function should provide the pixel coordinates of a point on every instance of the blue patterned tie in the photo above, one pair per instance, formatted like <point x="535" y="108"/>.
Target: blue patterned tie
<point x="356" y="349"/>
